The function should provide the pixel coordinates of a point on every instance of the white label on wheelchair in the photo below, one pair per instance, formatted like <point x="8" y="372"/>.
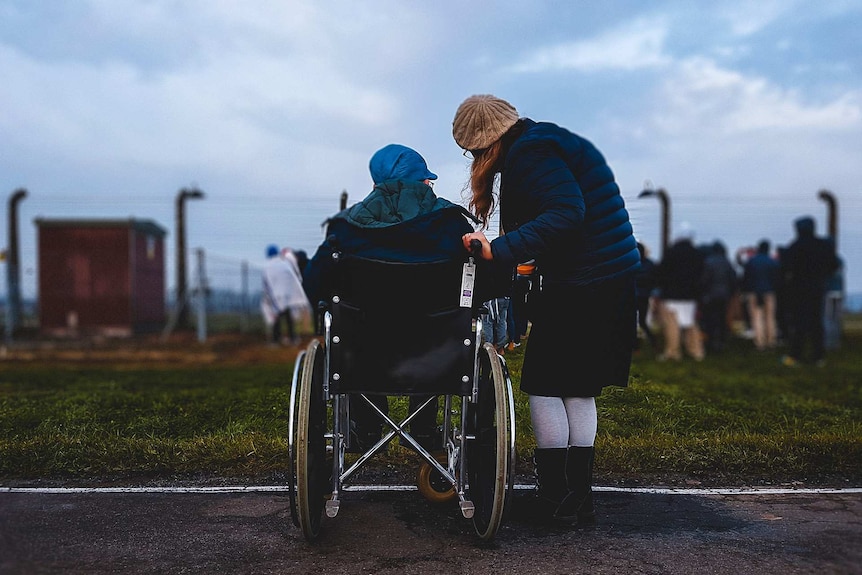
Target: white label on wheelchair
<point x="468" y="278"/>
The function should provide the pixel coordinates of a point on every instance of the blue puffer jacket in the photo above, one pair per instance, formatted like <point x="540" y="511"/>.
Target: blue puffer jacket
<point x="560" y="205"/>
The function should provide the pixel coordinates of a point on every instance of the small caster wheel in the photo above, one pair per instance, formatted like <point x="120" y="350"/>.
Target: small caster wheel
<point x="433" y="486"/>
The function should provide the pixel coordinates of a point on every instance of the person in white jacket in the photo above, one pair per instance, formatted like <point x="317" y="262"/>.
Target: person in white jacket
<point x="283" y="297"/>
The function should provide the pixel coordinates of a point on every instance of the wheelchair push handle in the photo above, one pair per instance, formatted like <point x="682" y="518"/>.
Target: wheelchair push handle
<point x="476" y="248"/>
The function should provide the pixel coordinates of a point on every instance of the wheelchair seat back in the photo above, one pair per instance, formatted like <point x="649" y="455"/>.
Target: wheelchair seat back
<point x="400" y="329"/>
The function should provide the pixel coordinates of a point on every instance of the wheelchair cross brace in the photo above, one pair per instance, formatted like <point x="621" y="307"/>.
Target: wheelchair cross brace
<point x="337" y="442"/>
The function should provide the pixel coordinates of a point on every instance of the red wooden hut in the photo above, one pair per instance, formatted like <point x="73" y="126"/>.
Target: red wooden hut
<point x="102" y="277"/>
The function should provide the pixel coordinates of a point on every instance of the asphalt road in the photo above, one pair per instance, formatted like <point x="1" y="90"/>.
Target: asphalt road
<point x="399" y="532"/>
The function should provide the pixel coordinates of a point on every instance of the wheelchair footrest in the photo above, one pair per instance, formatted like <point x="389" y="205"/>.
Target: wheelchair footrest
<point x="332" y="507"/>
<point x="467" y="509"/>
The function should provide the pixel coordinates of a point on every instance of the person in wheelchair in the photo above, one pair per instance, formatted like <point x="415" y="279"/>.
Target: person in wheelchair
<point x="401" y="220"/>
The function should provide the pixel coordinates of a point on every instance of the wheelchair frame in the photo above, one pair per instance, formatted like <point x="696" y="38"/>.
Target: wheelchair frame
<point x="478" y="432"/>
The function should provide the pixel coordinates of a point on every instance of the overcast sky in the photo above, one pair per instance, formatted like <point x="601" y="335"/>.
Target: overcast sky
<point x="742" y="111"/>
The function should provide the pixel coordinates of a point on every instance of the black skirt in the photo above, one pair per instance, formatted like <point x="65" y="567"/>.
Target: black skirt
<point x="581" y="339"/>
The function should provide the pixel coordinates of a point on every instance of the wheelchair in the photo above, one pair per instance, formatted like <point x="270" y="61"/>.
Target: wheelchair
<point x="402" y="329"/>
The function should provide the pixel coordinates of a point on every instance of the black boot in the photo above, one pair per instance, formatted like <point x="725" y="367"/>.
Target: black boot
<point x="578" y="504"/>
<point x="551" y="489"/>
<point x="423" y="427"/>
<point x="366" y="426"/>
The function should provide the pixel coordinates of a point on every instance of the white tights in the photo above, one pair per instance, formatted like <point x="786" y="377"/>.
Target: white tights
<point x="563" y="421"/>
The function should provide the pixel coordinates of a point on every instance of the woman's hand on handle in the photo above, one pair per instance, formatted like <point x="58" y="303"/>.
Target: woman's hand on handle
<point x="485" y="253"/>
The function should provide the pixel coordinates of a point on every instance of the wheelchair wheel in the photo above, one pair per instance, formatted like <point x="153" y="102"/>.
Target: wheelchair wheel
<point x="291" y="436"/>
<point x="490" y="456"/>
<point x="433" y="486"/>
<point x="313" y="467"/>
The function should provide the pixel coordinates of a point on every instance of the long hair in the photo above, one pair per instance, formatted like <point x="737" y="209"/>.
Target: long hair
<point x="484" y="169"/>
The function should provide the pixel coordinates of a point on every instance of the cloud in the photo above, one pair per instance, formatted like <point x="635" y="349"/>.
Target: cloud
<point x="703" y="95"/>
<point x="635" y="45"/>
<point x="749" y="18"/>
<point x="251" y="90"/>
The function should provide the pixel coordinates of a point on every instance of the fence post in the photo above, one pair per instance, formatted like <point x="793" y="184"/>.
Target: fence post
<point x="244" y="318"/>
<point x="13" y="272"/>
<point x="201" y="293"/>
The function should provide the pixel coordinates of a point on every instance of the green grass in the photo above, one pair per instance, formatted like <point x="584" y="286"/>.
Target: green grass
<point x="735" y="419"/>
<point x="738" y="417"/>
<point x="103" y="422"/>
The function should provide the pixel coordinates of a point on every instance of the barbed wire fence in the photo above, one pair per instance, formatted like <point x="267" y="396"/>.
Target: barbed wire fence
<point x="231" y="285"/>
<point x="225" y="296"/>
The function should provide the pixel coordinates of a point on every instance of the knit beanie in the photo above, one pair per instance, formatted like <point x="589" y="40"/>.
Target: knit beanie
<point x="481" y="120"/>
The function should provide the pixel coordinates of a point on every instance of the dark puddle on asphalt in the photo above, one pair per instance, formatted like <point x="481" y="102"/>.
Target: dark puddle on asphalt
<point x="617" y="514"/>
<point x="664" y="513"/>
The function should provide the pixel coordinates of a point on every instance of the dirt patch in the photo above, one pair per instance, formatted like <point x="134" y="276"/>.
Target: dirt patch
<point x="178" y="349"/>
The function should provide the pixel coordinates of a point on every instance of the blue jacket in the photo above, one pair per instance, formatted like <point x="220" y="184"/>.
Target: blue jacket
<point x="399" y="221"/>
<point x="560" y="205"/>
<point x="761" y="274"/>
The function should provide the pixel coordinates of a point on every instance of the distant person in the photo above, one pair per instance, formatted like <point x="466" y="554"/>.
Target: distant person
<point x="401" y="220"/>
<point x="283" y="299"/>
<point x="645" y="282"/>
<point x="559" y="205"/>
<point x="744" y="254"/>
<point x="495" y="325"/>
<point x="807" y="265"/>
<point x="783" y="318"/>
<point x="679" y="282"/>
<point x="719" y="283"/>
<point x="760" y="282"/>
<point x="301" y="260"/>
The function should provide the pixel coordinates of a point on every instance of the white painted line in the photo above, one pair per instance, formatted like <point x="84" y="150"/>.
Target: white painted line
<point x="731" y="490"/>
<point x="520" y="487"/>
<point x="225" y="489"/>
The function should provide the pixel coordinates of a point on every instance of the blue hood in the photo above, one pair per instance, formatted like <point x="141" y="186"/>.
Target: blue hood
<point x="397" y="162"/>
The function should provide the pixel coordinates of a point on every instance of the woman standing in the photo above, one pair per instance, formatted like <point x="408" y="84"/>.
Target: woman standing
<point x="560" y="205"/>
